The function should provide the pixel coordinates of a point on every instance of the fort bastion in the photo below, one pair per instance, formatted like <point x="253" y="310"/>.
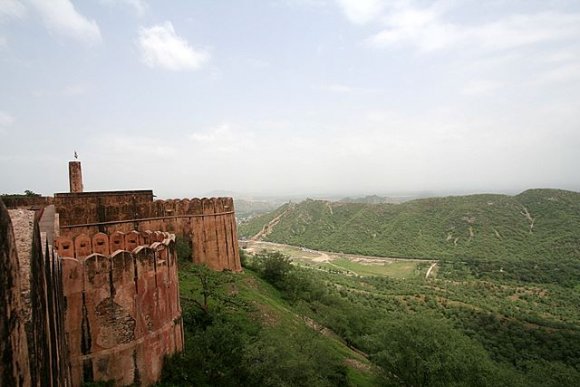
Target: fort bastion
<point x="89" y="293"/>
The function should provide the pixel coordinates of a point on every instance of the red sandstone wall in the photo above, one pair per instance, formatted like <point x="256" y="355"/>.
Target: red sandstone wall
<point x="31" y="303"/>
<point x="123" y="312"/>
<point x="34" y="202"/>
<point x="14" y="366"/>
<point x="95" y="207"/>
<point x="210" y="224"/>
<point x="75" y="176"/>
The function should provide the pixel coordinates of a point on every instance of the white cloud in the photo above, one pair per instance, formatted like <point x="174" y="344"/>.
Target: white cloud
<point x="3" y="42"/>
<point x="5" y="121"/>
<point x="341" y="88"/>
<point x="337" y="88"/>
<point x="137" y="147"/>
<point x="427" y="29"/>
<point x="523" y="30"/>
<point x="75" y="90"/>
<point x="223" y="139"/>
<point x="11" y="9"/>
<point x="481" y="87"/>
<point x="258" y="63"/>
<point x="162" y="47"/>
<point x="565" y="73"/>
<point x="303" y="3"/>
<point x="361" y="11"/>
<point x="61" y="17"/>
<point x="139" y="6"/>
<point x="72" y="90"/>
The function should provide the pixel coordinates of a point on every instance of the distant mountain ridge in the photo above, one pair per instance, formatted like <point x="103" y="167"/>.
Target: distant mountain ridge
<point x="535" y="234"/>
<point x="246" y="209"/>
<point x="372" y="199"/>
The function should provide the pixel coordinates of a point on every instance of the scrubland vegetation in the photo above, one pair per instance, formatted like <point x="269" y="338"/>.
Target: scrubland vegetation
<point x="501" y="311"/>
<point x="530" y="237"/>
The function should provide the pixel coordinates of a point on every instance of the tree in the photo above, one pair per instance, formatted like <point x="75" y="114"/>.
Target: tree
<point x="274" y="267"/>
<point x="421" y="351"/>
<point x="211" y="285"/>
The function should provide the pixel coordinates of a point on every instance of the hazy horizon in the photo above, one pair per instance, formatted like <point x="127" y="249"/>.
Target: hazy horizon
<point x="291" y="97"/>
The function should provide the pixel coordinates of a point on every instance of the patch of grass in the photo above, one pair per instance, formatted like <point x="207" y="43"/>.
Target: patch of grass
<point x="396" y="269"/>
<point x="266" y="305"/>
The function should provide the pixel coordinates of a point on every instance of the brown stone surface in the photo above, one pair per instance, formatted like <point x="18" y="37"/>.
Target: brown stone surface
<point x="94" y="315"/>
<point x="23" y="226"/>
<point x="132" y="240"/>
<point x="125" y="309"/>
<point x="14" y="367"/>
<point x="117" y="241"/>
<point x="27" y="202"/>
<point x="198" y="247"/>
<point x="64" y="247"/>
<point x="101" y="244"/>
<point x="94" y="207"/>
<point x="75" y="176"/>
<point x="83" y="246"/>
<point x="209" y="222"/>
<point x="40" y="309"/>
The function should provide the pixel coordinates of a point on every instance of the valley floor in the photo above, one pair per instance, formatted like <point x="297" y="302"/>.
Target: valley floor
<point x="349" y="264"/>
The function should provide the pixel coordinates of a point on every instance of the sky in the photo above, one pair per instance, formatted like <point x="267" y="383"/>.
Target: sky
<point x="289" y="97"/>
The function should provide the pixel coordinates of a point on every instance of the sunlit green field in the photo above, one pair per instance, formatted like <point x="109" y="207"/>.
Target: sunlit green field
<point x="347" y="264"/>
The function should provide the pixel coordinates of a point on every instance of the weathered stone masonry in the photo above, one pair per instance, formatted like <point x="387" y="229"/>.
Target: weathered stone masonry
<point x="123" y="313"/>
<point x="32" y="339"/>
<point x="14" y="366"/>
<point x="103" y="304"/>
<point x="97" y="308"/>
<point x="209" y="223"/>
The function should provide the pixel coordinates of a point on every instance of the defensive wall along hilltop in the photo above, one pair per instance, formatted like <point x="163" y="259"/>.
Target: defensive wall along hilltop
<point x="87" y="293"/>
<point x="32" y="338"/>
<point x="123" y="313"/>
<point x="208" y="224"/>
<point x="95" y="308"/>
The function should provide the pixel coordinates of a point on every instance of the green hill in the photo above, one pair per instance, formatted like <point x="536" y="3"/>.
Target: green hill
<point x="241" y="331"/>
<point x="533" y="236"/>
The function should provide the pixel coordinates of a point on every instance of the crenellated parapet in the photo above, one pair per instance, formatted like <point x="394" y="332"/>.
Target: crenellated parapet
<point x="122" y="312"/>
<point x="209" y="223"/>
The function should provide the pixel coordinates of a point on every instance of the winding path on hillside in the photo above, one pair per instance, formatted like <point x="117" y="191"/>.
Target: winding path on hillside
<point x="267" y="229"/>
<point x="430" y="268"/>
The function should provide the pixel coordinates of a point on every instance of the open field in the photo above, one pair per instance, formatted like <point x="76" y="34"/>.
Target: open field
<point x="349" y="264"/>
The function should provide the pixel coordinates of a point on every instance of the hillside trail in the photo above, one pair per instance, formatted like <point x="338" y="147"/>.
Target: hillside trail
<point x="322" y="256"/>
<point x="529" y="218"/>
<point x="267" y="229"/>
<point x="430" y="268"/>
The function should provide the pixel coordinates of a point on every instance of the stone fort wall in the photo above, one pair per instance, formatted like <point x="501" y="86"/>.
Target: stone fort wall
<point x="209" y="224"/>
<point x="94" y="308"/>
<point x="123" y="313"/>
<point x="32" y="338"/>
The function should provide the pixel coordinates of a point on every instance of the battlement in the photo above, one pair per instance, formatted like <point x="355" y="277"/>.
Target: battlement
<point x="209" y="223"/>
<point x="82" y="245"/>
<point x="122" y="305"/>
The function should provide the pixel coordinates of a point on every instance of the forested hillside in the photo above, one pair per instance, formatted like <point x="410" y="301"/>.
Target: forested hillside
<point x="533" y="236"/>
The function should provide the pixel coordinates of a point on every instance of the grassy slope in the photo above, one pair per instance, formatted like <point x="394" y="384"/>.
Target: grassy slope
<point x="483" y="226"/>
<point x="255" y="225"/>
<point x="277" y="315"/>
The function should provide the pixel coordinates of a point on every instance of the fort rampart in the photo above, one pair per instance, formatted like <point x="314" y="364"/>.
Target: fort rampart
<point x="123" y="313"/>
<point x="94" y="308"/>
<point x="32" y="339"/>
<point x="209" y="224"/>
<point x="87" y="293"/>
